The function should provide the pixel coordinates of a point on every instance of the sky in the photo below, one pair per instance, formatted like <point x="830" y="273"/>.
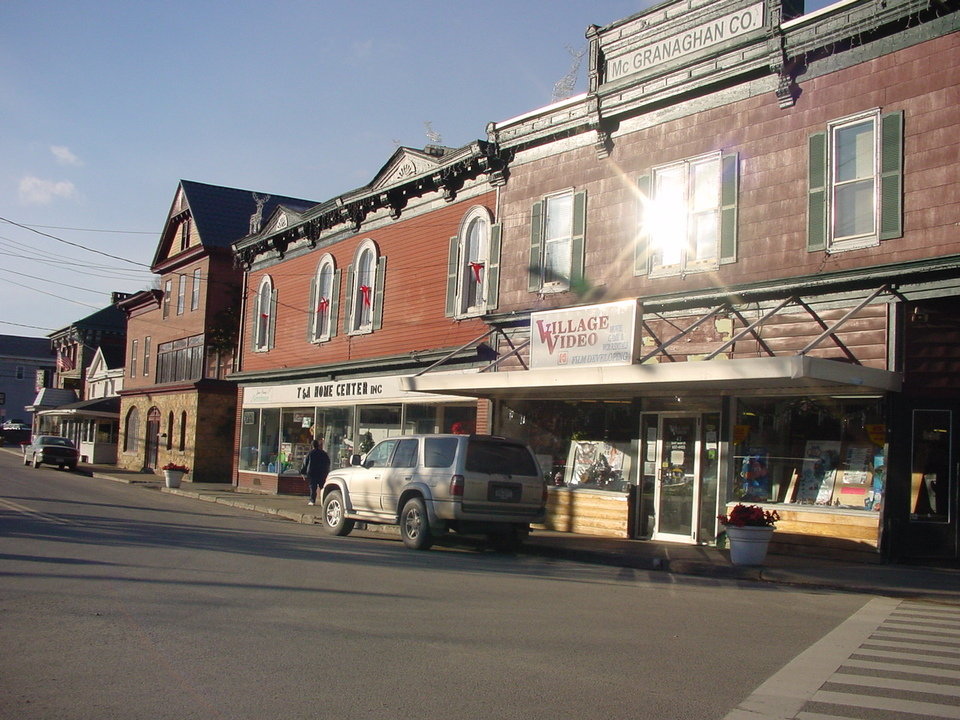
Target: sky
<point x="105" y="105"/>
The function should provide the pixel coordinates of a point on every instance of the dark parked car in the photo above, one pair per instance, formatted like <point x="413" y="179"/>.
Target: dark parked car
<point x="52" y="450"/>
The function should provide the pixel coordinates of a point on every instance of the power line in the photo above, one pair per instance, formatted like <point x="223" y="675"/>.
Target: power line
<point x="59" y="227"/>
<point x="73" y="244"/>
<point x="35" y="327"/>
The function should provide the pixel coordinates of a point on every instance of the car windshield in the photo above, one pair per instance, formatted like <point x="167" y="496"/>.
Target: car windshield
<point x="65" y="442"/>
<point x="499" y="457"/>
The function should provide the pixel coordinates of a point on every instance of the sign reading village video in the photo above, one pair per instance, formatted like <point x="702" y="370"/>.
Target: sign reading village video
<point x="585" y="336"/>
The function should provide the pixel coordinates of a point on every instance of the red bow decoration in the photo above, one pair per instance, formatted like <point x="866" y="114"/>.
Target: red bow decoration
<point x="365" y="291"/>
<point x="264" y="316"/>
<point x="476" y="267"/>
<point x="323" y="305"/>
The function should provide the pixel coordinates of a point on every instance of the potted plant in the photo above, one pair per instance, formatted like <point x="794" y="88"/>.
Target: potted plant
<point x="173" y="474"/>
<point x="749" y="529"/>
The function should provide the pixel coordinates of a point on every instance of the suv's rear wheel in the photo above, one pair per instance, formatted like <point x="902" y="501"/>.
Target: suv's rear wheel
<point x="36" y="460"/>
<point x="415" y="526"/>
<point x="335" y="520"/>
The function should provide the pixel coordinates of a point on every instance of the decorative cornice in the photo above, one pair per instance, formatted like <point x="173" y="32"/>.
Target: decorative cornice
<point x="480" y="158"/>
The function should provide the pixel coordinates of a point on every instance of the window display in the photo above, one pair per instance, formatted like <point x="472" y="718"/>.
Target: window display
<point x="821" y="451"/>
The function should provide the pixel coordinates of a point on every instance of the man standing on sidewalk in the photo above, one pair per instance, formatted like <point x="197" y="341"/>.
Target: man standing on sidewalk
<point x="315" y="469"/>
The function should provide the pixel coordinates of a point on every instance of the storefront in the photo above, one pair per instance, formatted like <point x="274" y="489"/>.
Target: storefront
<point x="278" y="423"/>
<point x="658" y="449"/>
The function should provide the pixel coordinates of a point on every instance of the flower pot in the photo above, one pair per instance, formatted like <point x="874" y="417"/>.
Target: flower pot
<point x="748" y="545"/>
<point x="172" y="478"/>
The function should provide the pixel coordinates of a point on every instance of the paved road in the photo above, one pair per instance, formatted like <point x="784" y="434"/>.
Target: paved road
<point x="891" y="659"/>
<point x="117" y="602"/>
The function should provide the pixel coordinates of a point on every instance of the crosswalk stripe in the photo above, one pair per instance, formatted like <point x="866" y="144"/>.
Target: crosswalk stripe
<point x="921" y="631"/>
<point x="842" y="678"/>
<point x="892" y="667"/>
<point x="821" y="716"/>
<point x="907" y="656"/>
<point x="890" y="704"/>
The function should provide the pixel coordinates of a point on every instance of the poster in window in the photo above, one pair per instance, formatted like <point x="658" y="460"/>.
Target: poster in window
<point x="819" y="472"/>
<point x="595" y="464"/>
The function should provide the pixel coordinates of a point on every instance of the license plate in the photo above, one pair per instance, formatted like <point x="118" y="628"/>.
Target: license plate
<point x="504" y="493"/>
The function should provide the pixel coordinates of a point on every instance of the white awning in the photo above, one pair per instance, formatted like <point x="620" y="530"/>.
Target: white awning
<point x="728" y="377"/>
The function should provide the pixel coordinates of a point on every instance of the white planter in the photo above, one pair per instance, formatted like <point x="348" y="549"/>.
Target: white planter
<point x="172" y="478"/>
<point x="748" y="545"/>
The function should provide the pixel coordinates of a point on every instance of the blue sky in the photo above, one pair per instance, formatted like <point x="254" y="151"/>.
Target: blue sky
<point x="106" y="104"/>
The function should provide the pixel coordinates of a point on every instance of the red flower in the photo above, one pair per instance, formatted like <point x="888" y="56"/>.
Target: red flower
<point x="749" y="516"/>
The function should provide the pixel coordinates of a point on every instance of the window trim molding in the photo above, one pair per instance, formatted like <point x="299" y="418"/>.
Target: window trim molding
<point x="333" y="301"/>
<point x="374" y="292"/>
<point x="538" y="221"/>
<point x="489" y="261"/>
<point x="264" y="335"/>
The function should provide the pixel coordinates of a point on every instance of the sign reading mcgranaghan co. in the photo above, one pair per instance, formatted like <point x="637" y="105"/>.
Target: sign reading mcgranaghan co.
<point x="585" y="336"/>
<point x="688" y="42"/>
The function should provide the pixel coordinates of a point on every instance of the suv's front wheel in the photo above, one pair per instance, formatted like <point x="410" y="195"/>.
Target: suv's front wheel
<point x="335" y="520"/>
<point x="415" y="526"/>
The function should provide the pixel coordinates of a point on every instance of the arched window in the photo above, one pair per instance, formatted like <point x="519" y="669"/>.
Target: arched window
<point x="131" y="431"/>
<point x="183" y="430"/>
<point x="365" y="280"/>
<point x="264" y="316"/>
<point x="324" y="301"/>
<point x="473" y="265"/>
<point x="169" y="442"/>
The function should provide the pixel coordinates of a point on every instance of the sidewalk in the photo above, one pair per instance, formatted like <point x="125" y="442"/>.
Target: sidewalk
<point x="937" y="584"/>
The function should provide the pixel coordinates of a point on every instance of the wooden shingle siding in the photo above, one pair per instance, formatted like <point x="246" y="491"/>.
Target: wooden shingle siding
<point x="414" y="295"/>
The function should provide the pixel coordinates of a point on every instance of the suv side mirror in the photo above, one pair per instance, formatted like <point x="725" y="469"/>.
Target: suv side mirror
<point x="354" y="459"/>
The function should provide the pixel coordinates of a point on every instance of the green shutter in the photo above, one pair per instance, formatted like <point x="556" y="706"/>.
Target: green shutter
<point x="577" y="240"/>
<point x="729" y="192"/>
<point x="313" y="301"/>
<point x="334" y="302"/>
<point x="348" y="311"/>
<point x="272" y="320"/>
<point x="641" y="265"/>
<point x="452" y="268"/>
<point x="378" y="293"/>
<point x="891" y="175"/>
<point x="817" y="193"/>
<point x="536" y="240"/>
<point x="493" y="269"/>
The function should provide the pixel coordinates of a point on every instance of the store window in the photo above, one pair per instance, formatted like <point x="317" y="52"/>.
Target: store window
<point x="930" y="466"/>
<point x="249" y="440"/>
<point x="269" y="440"/>
<point x="264" y="316"/>
<point x="586" y="445"/>
<point x="855" y="182"/>
<point x="473" y="266"/>
<point x="688" y="219"/>
<point x="821" y="451"/>
<point x="365" y="280"/>
<point x="557" y="231"/>
<point x="376" y="422"/>
<point x="324" y="301"/>
<point x="335" y="426"/>
<point x="296" y="436"/>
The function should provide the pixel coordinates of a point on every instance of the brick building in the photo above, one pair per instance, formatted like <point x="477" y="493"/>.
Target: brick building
<point x="176" y="403"/>
<point x="736" y="262"/>
<point x="343" y="300"/>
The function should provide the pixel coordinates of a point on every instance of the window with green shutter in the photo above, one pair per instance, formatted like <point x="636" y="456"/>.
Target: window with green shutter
<point x="855" y="178"/>
<point x="557" y="236"/>
<point x="473" y="265"/>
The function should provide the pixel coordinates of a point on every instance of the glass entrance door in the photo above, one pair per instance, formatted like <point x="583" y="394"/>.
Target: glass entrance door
<point x="678" y="472"/>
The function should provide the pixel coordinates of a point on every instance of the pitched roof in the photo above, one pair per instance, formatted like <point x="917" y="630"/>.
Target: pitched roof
<point x="222" y="215"/>
<point x="15" y="346"/>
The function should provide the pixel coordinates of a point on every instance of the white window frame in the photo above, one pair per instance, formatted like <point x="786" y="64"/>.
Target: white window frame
<point x="181" y="292"/>
<point x="842" y="243"/>
<point x="560" y="244"/>
<point x="323" y="300"/>
<point x="263" y="319"/>
<point x="472" y="297"/>
<point x="195" y="290"/>
<point x="167" y="292"/>
<point x="665" y="223"/>
<point x="362" y="304"/>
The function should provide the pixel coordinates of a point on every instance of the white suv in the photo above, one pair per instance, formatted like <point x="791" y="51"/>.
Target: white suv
<point x="428" y="484"/>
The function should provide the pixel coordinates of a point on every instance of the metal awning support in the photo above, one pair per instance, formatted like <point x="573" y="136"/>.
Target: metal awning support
<point x="662" y="346"/>
<point x="515" y="350"/>
<point x="750" y="328"/>
<point x="833" y="328"/>
<point x="452" y="353"/>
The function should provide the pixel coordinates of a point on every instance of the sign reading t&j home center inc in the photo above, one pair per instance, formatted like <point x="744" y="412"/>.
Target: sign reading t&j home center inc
<point x="585" y="336"/>
<point x="688" y="41"/>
